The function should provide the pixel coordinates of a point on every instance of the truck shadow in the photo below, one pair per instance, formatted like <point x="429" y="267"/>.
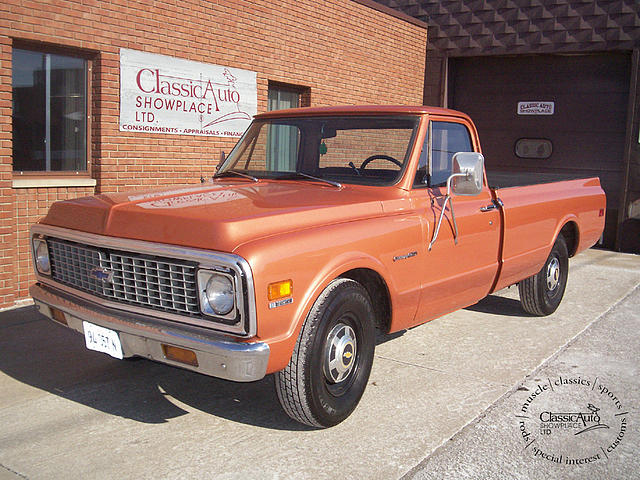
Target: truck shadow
<point x="49" y="357"/>
<point x="497" y="305"/>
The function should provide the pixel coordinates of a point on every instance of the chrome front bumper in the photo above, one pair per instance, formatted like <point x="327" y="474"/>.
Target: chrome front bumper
<point x="144" y="336"/>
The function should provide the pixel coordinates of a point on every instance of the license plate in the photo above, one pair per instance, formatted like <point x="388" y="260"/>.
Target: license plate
<point x="102" y="340"/>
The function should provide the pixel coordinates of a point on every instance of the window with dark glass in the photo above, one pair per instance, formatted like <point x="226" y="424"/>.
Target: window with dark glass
<point x="446" y="138"/>
<point x="534" y="148"/>
<point x="49" y="93"/>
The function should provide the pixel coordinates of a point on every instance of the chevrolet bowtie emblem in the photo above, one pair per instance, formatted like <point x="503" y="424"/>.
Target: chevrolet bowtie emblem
<point x="102" y="274"/>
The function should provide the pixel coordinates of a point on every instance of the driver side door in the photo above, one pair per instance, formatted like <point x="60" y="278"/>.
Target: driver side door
<point x="454" y="274"/>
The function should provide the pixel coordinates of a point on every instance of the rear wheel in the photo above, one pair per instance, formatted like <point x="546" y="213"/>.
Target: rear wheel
<point x="331" y="362"/>
<point x="541" y="293"/>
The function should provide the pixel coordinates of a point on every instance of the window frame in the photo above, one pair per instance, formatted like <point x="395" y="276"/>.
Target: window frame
<point x="428" y="143"/>
<point x="278" y="88"/>
<point x="242" y="145"/>
<point x="61" y="174"/>
<point x="303" y="92"/>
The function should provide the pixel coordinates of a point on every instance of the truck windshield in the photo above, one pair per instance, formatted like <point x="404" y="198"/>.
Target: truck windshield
<point x="347" y="149"/>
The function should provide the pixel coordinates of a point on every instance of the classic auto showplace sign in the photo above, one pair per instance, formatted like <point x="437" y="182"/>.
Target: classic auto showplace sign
<point x="161" y="94"/>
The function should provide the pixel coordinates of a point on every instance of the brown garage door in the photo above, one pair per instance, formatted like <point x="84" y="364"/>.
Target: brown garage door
<point x="584" y="136"/>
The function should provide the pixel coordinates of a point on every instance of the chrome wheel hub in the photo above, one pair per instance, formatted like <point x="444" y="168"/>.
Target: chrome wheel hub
<point x="340" y="353"/>
<point x="553" y="274"/>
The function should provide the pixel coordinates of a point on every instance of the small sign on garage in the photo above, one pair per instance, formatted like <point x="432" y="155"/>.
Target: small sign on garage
<point x="536" y="108"/>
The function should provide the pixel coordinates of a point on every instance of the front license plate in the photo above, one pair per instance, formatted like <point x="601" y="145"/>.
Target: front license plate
<point x="102" y="340"/>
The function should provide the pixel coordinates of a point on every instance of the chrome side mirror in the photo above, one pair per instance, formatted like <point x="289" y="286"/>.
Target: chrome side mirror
<point x="466" y="179"/>
<point x="467" y="174"/>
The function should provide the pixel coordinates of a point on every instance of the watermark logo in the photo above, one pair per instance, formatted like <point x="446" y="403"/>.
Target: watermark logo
<point x="581" y="421"/>
<point x="571" y="420"/>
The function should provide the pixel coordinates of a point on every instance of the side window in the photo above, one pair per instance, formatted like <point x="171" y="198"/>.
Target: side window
<point x="447" y="138"/>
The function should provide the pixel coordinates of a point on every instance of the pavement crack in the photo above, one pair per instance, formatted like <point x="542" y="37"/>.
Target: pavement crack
<point x="410" y="364"/>
<point x="13" y="471"/>
<point x="437" y="370"/>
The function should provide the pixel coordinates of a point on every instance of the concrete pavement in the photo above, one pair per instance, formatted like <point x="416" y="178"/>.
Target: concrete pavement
<point x="605" y="357"/>
<point x="440" y="396"/>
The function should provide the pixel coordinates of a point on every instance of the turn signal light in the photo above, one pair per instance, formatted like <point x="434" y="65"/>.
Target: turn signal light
<point x="181" y="355"/>
<point x="280" y="290"/>
<point x="58" y="316"/>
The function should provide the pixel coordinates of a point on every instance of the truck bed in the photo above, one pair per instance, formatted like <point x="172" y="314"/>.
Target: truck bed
<point x="533" y="212"/>
<point x="506" y="179"/>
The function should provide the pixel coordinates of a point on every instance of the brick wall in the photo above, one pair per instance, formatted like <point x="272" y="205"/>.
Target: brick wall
<point x="30" y="204"/>
<point x="435" y="82"/>
<point x="342" y="51"/>
<point x="7" y="219"/>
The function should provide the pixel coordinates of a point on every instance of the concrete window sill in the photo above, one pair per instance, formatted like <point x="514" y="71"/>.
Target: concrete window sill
<point x="53" y="182"/>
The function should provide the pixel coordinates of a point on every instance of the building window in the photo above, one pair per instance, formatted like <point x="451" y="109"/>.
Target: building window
<point x="49" y="92"/>
<point x="283" y="140"/>
<point x="534" y="148"/>
<point x="283" y="97"/>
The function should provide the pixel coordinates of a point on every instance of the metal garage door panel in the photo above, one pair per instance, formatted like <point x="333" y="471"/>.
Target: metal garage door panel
<point x="587" y="130"/>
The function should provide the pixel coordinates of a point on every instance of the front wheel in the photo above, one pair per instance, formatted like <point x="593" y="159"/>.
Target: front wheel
<point x="541" y="293"/>
<point x="332" y="358"/>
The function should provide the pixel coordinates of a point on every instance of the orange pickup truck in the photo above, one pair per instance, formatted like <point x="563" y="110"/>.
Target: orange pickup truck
<point x="321" y="226"/>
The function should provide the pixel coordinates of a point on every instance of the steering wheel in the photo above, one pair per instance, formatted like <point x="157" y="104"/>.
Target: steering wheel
<point x="379" y="157"/>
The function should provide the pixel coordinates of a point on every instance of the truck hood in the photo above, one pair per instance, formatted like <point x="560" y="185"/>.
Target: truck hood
<point x="219" y="216"/>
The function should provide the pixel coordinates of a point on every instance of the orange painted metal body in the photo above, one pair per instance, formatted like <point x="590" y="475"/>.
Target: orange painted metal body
<point x="312" y="233"/>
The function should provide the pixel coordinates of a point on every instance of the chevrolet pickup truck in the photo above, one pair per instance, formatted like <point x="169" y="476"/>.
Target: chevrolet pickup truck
<point x="322" y="226"/>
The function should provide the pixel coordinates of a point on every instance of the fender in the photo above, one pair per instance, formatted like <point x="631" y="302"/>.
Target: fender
<point x="311" y="261"/>
<point x="282" y="346"/>
<point x="563" y="223"/>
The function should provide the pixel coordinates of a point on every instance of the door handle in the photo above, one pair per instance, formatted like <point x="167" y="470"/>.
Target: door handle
<point x="495" y="204"/>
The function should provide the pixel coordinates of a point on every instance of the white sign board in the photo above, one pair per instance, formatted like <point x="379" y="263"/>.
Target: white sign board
<point x="536" y="108"/>
<point x="161" y="94"/>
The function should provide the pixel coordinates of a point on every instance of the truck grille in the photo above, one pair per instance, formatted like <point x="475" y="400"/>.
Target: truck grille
<point x="126" y="277"/>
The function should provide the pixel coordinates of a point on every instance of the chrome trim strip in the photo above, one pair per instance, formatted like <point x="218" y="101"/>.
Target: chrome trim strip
<point x="207" y="259"/>
<point x="141" y="335"/>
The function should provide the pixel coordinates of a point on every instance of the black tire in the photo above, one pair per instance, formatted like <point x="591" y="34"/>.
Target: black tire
<point x="541" y="293"/>
<point x="312" y="392"/>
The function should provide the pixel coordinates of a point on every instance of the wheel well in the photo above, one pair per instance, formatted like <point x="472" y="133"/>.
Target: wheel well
<point x="571" y="235"/>
<point x="377" y="289"/>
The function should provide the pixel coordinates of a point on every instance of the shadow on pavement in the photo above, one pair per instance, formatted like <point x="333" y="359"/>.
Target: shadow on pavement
<point x="499" y="306"/>
<point x="37" y="352"/>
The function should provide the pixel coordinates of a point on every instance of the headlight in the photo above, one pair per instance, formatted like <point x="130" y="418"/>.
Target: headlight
<point x="41" y="256"/>
<point x="217" y="293"/>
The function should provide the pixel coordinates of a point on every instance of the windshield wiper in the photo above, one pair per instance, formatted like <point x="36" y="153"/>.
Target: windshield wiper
<point x="311" y="177"/>
<point x="236" y="172"/>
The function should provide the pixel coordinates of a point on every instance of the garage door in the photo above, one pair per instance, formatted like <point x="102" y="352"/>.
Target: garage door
<point x="557" y="115"/>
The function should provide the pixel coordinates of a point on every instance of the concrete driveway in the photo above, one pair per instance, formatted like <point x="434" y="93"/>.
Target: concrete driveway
<point x="66" y="412"/>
